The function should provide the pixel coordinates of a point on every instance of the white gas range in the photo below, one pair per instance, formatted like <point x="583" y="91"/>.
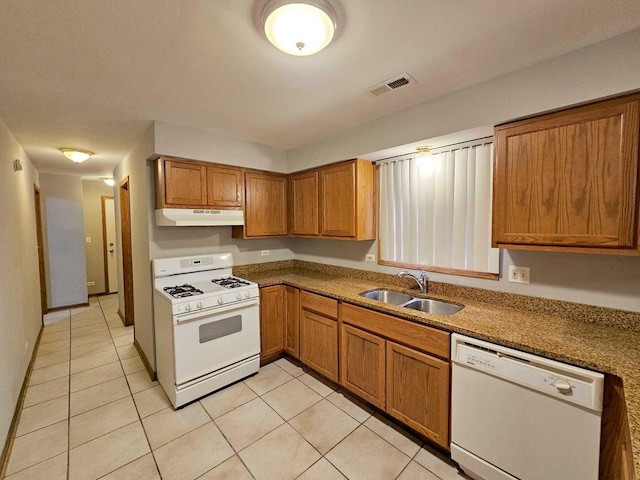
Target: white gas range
<point x="207" y="325"/>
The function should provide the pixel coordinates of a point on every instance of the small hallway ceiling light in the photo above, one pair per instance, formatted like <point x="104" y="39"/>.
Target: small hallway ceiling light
<point x="109" y="181"/>
<point x="76" y="155"/>
<point x="300" y="28"/>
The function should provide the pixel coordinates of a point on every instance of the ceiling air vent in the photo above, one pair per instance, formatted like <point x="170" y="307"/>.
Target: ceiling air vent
<point x="390" y="85"/>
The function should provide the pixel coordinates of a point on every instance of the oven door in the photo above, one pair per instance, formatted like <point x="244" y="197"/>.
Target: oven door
<point x="210" y="340"/>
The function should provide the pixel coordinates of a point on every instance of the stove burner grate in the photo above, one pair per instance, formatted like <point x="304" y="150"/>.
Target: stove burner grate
<point x="230" y="282"/>
<point x="181" y="291"/>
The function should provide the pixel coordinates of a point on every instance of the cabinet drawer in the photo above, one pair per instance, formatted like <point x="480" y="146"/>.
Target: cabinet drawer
<point x="318" y="303"/>
<point x="422" y="337"/>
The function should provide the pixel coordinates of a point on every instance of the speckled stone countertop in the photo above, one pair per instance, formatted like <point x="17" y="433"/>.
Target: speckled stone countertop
<point x="595" y="346"/>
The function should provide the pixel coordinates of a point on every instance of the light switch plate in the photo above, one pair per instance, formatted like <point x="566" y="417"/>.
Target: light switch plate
<point x="264" y="253"/>
<point x="88" y="239"/>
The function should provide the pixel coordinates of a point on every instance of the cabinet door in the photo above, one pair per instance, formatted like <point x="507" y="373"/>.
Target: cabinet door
<point x="266" y="208"/>
<point x="304" y="203"/>
<point x="362" y="364"/>
<point x="569" y="178"/>
<point x="271" y="321"/>
<point x="185" y="183"/>
<point x="338" y="200"/>
<point x="418" y="392"/>
<point x="224" y="187"/>
<point x="319" y="344"/>
<point x="292" y="322"/>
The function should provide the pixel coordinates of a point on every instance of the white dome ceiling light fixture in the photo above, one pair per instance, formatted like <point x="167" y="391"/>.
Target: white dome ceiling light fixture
<point x="109" y="181"/>
<point x="299" y="28"/>
<point x="76" y="155"/>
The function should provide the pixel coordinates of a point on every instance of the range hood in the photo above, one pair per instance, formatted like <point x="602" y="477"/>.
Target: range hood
<point x="184" y="217"/>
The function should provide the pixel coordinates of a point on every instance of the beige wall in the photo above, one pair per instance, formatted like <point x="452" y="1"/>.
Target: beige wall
<point x="20" y="315"/>
<point x="92" y="193"/>
<point x="134" y="166"/>
<point x="600" y="70"/>
<point x="63" y="228"/>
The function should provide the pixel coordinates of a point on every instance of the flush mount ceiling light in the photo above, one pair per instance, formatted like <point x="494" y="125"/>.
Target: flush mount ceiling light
<point x="301" y="27"/>
<point x="76" y="155"/>
<point x="423" y="149"/>
<point x="109" y="181"/>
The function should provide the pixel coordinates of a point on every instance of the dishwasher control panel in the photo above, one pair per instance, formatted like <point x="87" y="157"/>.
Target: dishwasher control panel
<point x="573" y="384"/>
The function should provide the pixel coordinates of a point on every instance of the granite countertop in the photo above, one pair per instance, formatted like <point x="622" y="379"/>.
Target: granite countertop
<point x="597" y="347"/>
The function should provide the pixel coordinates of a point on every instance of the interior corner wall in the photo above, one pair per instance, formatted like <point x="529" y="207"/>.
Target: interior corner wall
<point x="134" y="166"/>
<point x="596" y="71"/>
<point x="21" y="316"/>
<point x="63" y="228"/>
<point x="92" y="193"/>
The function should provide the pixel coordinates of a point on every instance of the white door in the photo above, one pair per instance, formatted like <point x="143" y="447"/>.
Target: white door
<point x="110" y="245"/>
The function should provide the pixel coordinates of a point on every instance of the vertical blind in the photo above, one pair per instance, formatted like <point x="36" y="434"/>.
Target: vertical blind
<point x="435" y="210"/>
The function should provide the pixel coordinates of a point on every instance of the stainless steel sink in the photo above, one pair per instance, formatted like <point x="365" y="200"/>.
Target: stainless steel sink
<point x="433" y="306"/>
<point x="387" y="296"/>
<point x="427" y="305"/>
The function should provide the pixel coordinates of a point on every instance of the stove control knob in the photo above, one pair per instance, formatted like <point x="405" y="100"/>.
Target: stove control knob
<point x="187" y="307"/>
<point x="247" y="294"/>
<point x="238" y="296"/>
<point x="220" y="301"/>
<point x="199" y="305"/>
<point x="563" y="386"/>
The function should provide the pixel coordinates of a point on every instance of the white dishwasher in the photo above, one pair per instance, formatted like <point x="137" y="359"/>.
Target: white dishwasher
<point x="520" y="416"/>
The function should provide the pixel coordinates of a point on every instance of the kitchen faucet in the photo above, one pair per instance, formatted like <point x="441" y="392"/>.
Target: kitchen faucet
<point x="422" y="280"/>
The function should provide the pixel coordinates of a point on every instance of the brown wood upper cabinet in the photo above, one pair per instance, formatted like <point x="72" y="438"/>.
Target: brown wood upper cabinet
<point x="304" y="203"/>
<point x="225" y="187"/>
<point x="184" y="183"/>
<point x="347" y="200"/>
<point x="336" y="201"/>
<point x="265" y="206"/>
<point x="568" y="181"/>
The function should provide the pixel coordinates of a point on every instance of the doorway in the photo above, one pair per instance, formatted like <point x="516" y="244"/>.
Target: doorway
<point x="39" y="239"/>
<point x="127" y="260"/>
<point x="109" y="245"/>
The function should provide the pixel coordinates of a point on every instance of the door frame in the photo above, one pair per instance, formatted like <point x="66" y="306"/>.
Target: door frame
<point x="40" y="240"/>
<point x="103" y="199"/>
<point x="124" y="191"/>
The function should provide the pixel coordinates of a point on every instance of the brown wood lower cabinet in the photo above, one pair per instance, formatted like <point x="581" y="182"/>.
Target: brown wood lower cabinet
<point x="292" y="321"/>
<point x="362" y="364"/>
<point x="418" y="392"/>
<point x="271" y="314"/>
<point x="319" y="343"/>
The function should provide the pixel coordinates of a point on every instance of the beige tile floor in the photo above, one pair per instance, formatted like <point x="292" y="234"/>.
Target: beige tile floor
<point x="91" y="411"/>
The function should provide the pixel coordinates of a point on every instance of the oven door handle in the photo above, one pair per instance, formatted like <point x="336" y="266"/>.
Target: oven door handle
<point x="215" y="311"/>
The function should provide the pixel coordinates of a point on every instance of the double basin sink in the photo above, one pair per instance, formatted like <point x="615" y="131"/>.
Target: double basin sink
<point x="427" y="305"/>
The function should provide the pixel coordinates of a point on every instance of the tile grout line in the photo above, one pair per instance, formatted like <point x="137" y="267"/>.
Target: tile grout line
<point x="137" y="410"/>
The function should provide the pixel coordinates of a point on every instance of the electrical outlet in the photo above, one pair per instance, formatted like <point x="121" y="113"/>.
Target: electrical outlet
<point x="26" y="346"/>
<point x="370" y="257"/>
<point x="264" y="253"/>
<point x="88" y="239"/>
<point x="91" y="284"/>
<point x="519" y="274"/>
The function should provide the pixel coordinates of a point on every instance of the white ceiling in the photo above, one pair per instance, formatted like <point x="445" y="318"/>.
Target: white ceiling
<point x="93" y="74"/>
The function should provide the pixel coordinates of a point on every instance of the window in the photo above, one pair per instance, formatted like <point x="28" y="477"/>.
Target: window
<point x="435" y="211"/>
